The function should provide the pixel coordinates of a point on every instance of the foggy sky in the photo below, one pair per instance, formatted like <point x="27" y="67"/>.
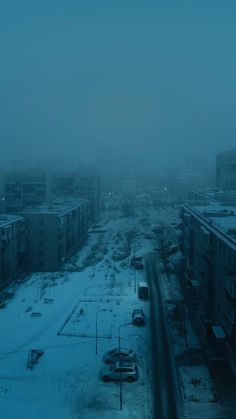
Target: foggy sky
<point x="154" y="77"/>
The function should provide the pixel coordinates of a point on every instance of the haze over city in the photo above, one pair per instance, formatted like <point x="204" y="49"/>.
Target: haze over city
<point x="117" y="209"/>
<point x="155" y="78"/>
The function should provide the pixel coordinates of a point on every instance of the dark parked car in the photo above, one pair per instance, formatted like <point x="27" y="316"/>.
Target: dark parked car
<point x="137" y="262"/>
<point x="143" y="290"/>
<point x="138" y="318"/>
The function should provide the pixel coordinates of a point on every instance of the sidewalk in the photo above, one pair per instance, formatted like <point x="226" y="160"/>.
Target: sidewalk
<point x="221" y="373"/>
<point x="198" y="390"/>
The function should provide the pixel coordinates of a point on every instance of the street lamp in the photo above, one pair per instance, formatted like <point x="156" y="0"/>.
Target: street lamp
<point x="121" y="395"/>
<point x="96" y="333"/>
<point x="134" y="269"/>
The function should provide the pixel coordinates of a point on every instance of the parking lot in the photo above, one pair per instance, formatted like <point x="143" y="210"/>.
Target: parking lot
<point x="81" y="315"/>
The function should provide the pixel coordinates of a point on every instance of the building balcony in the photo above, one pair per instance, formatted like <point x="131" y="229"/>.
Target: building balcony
<point x="231" y="299"/>
<point x="208" y="257"/>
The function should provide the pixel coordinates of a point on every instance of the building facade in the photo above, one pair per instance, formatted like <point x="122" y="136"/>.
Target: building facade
<point x="56" y="232"/>
<point x="32" y="188"/>
<point x="129" y="188"/>
<point x="209" y="247"/>
<point x="83" y="185"/>
<point x="28" y="188"/>
<point x="226" y="170"/>
<point x="13" y="247"/>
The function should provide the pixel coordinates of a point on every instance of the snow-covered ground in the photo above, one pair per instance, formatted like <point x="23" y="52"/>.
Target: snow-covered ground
<point x="57" y="313"/>
<point x="196" y="384"/>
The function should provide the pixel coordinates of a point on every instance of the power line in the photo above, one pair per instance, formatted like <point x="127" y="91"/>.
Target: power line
<point x="47" y="348"/>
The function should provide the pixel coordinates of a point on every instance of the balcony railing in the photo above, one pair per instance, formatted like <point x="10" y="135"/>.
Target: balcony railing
<point x="231" y="299"/>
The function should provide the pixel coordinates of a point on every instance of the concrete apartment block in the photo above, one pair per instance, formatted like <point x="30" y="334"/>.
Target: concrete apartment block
<point x="55" y="233"/>
<point x="28" y="188"/>
<point x="209" y="247"/>
<point x="226" y="170"/>
<point x="13" y="247"/>
<point x="79" y="185"/>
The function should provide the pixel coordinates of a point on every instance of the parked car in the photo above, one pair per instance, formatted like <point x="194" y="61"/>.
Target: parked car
<point x="137" y="262"/>
<point x="124" y="370"/>
<point x="138" y="318"/>
<point x="115" y="355"/>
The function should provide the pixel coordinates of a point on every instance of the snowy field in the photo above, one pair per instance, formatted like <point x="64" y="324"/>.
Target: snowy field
<point x="57" y="313"/>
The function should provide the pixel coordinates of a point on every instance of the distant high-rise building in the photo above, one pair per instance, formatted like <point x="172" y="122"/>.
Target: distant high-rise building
<point x="226" y="170"/>
<point x="128" y="188"/>
<point x="80" y="184"/>
<point x="106" y="168"/>
<point x="129" y="167"/>
<point x="27" y="188"/>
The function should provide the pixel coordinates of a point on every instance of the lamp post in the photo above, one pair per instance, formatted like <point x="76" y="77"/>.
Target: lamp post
<point x="121" y="395"/>
<point x="184" y="324"/>
<point x="96" y="327"/>
<point x="134" y="269"/>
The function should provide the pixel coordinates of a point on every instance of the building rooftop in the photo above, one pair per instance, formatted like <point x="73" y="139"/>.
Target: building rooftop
<point x="218" y="218"/>
<point x="227" y="152"/>
<point x="57" y="207"/>
<point x="6" y="219"/>
<point x="214" y="195"/>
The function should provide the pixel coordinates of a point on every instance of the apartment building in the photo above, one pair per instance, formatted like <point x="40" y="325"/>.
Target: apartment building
<point x="13" y="247"/>
<point x="209" y="247"/>
<point x="31" y="188"/>
<point x="226" y="170"/>
<point x="82" y="184"/>
<point x="2" y="206"/>
<point x="210" y="195"/>
<point x="27" y="188"/>
<point x="55" y="233"/>
<point x="129" y="188"/>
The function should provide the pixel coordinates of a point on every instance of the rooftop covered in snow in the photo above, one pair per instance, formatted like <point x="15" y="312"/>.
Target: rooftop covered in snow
<point x="56" y="207"/>
<point x="218" y="218"/>
<point x="6" y="219"/>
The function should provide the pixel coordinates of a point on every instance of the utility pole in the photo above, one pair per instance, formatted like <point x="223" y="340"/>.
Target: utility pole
<point x="135" y="279"/>
<point x="184" y="325"/>
<point x="121" y="393"/>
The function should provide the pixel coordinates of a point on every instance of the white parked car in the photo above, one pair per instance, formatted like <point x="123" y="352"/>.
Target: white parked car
<point x="124" y="371"/>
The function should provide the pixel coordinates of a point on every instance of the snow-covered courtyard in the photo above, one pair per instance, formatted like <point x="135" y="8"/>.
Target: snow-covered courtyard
<point x="70" y="316"/>
<point x="74" y="316"/>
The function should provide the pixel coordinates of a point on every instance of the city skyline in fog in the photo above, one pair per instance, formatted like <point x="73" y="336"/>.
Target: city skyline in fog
<point x="154" y="80"/>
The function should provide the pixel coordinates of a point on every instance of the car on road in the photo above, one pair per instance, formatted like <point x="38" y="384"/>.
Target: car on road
<point x="138" y="318"/>
<point x="137" y="262"/>
<point x="123" y="370"/>
<point x="143" y="290"/>
<point x="115" y="355"/>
